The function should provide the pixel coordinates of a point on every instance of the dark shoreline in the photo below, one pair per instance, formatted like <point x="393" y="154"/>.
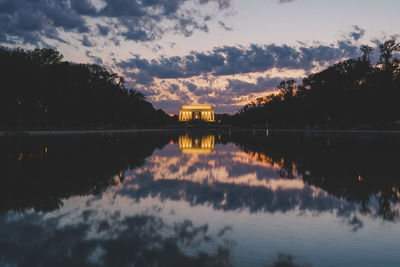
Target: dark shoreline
<point x="195" y="130"/>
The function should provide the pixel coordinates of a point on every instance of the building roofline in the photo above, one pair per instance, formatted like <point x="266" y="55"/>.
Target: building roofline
<point x="193" y="107"/>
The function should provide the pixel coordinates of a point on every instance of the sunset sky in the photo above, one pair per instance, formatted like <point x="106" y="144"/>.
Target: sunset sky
<point x="220" y="52"/>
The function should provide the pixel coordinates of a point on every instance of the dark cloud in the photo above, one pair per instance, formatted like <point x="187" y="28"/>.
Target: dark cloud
<point x="357" y="34"/>
<point x="285" y="1"/>
<point x="86" y="42"/>
<point x="174" y="88"/>
<point x="83" y="7"/>
<point x="103" y="29"/>
<point x="233" y="60"/>
<point x="196" y="90"/>
<point x="222" y="4"/>
<point x="191" y="86"/>
<point x="121" y="8"/>
<point x="237" y="87"/>
<point x="187" y="25"/>
<point x="141" y="77"/>
<point x="228" y="60"/>
<point x="163" y="68"/>
<point x="31" y="21"/>
<point x="224" y="26"/>
<point x="183" y="96"/>
<point x="96" y="60"/>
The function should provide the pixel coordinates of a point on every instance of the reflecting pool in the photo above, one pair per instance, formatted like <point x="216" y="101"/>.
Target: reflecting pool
<point x="213" y="199"/>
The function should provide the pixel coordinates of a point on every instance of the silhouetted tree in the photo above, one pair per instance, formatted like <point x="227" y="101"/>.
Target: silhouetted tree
<point x="40" y="90"/>
<point x="351" y="93"/>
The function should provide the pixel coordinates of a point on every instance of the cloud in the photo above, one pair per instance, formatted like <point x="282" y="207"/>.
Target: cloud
<point x="96" y="60"/>
<point x="86" y="42"/>
<point x="230" y="76"/>
<point x="137" y="240"/>
<point x="33" y="21"/>
<point x="285" y="1"/>
<point x="357" y="34"/>
<point x="227" y="93"/>
<point x="238" y="88"/>
<point x="230" y="60"/>
<point x="103" y="29"/>
<point x="224" y="26"/>
<point x="191" y="86"/>
<point x="83" y="7"/>
<point x="141" y="77"/>
<point x="222" y="4"/>
<point x="257" y="193"/>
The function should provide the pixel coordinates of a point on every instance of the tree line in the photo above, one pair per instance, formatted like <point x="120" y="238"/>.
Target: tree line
<point x="39" y="172"/>
<point x="354" y="93"/>
<point x="41" y="91"/>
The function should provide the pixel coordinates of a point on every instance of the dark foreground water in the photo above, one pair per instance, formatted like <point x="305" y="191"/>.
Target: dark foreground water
<point x="239" y="199"/>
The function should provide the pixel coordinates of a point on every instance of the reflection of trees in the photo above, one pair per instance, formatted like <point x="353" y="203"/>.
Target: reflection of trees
<point x="354" y="171"/>
<point x="38" y="172"/>
<point x="286" y="260"/>
<point x="140" y="240"/>
<point x="350" y="167"/>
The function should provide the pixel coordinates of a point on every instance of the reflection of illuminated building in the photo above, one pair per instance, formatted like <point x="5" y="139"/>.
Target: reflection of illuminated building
<point x="196" y="145"/>
<point x="196" y="112"/>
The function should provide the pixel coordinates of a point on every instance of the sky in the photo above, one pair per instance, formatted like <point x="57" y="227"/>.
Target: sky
<point x="219" y="52"/>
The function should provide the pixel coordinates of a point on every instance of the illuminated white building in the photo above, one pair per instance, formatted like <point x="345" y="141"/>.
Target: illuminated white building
<point x="197" y="112"/>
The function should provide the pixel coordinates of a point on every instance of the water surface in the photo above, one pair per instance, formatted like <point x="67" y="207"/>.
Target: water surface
<point x="233" y="199"/>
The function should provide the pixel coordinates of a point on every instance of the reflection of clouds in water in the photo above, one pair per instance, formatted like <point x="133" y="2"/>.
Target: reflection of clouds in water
<point x="356" y="223"/>
<point x="228" y="179"/>
<point x="175" y="206"/>
<point x="224" y="166"/>
<point x="37" y="240"/>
